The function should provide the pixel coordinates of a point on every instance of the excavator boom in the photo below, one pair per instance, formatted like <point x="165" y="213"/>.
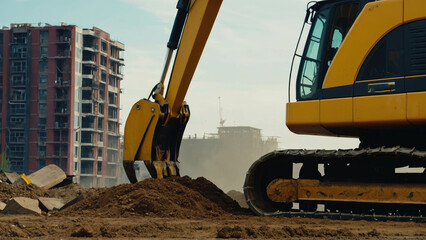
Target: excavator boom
<point x="154" y="129"/>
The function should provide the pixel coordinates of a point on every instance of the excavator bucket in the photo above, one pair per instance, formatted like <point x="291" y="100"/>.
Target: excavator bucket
<point x="146" y="138"/>
<point x="154" y="129"/>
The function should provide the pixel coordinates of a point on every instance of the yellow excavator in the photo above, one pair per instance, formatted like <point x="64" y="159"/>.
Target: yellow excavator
<point x="362" y="74"/>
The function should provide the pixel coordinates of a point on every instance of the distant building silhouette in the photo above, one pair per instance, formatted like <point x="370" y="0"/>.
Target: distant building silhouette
<point x="224" y="157"/>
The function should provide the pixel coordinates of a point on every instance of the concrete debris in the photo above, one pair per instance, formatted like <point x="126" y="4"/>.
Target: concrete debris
<point x="22" y="180"/>
<point x="2" y="205"/>
<point x="22" y="205"/>
<point x="49" y="204"/>
<point x="11" y="177"/>
<point x="72" y="202"/>
<point x="47" y="177"/>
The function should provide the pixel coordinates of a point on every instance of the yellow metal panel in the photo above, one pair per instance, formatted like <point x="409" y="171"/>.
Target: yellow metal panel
<point x="139" y="130"/>
<point x="416" y="107"/>
<point x="201" y="17"/>
<point x="288" y="190"/>
<point x="303" y="118"/>
<point x="336" y="112"/>
<point x="374" y="22"/>
<point x="414" y="10"/>
<point x="381" y="110"/>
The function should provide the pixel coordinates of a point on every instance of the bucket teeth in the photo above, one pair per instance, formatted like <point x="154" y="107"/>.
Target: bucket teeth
<point x="129" y="167"/>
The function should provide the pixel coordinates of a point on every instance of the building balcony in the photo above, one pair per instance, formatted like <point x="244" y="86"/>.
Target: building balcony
<point x="112" y="148"/>
<point x="59" y="82"/>
<point x="119" y="75"/>
<point x="19" y="84"/>
<point x="18" y="56"/>
<point x="112" y="104"/>
<point x="91" y="74"/>
<point x="16" y="155"/>
<point x="88" y="158"/>
<point x="61" y="111"/>
<point x="61" y="125"/>
<point x="16" y="140"/>
<point x="18" y="69"/>
<point x="62" y="98"/>
<point x="113" y="119"/>
<point x="119" y="60"/>
<point x="16" y="125"/>
<point x="63" y="54"/>
<point x="112" y="89"/>
<point x="91" y="48"/>
<point x="118" y="45"/>
<point x="92" y="85"/>
<point x="56" y="156"/>
<point x="92" y="144"/>
<point x="88" y="126"/>
<point x="21" y="40"/>
<point x="111" y="133"/>
<point x="60" y="140"/>
<point x="90" y="32"/>
<point x="92" y="113"/>
<point x="17" y="100"/>
<point x="18" y="112"/>
<point x="87" y="173"/>
<point x="63" y="39"/>
<point x="89" y="62"/>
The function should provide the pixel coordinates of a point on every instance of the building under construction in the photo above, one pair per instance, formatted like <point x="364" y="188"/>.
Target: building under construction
<point x="224" y="157"/>
<point x="60" y="96"/>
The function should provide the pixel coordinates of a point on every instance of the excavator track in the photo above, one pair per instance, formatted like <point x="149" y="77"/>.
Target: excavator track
<point x="279" y="165"/>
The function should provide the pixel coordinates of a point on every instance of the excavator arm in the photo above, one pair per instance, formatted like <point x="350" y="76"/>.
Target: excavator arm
<point x="154" y="129"/>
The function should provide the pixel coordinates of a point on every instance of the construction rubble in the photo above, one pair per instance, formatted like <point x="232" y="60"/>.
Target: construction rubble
<point x="50" y="190"/>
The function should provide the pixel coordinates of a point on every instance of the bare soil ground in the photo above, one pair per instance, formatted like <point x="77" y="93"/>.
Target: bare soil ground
<point x="181" y="208"/>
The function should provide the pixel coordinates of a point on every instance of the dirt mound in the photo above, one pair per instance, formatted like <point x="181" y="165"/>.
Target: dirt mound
<point x="3" y="177"/>
<point x="173" y="197"/>
<point x="212" y="193"/>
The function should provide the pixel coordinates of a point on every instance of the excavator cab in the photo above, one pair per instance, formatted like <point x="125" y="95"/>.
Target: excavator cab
<point x="330" y="22"/>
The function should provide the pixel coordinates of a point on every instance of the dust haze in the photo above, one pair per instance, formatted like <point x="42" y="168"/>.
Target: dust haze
<point x="224" y="157"/>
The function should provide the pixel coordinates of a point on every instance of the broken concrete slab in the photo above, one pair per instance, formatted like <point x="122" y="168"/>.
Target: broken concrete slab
<point x="2" y="205"/>
<point x="72" y="202"/>
<point x="22" y="205"/>
<point x="49" y="204"/>
<point x="48" y="176"/>
<point x="12" y="177"/>
<point x="65" y="182"/>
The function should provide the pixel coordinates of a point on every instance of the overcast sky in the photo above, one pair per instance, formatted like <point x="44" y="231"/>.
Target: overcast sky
<point x="246" y="61"/>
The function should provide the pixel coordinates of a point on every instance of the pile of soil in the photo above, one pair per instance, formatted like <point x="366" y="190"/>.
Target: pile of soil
<point x="180" y="197"/>
<point x="3" y="177"/>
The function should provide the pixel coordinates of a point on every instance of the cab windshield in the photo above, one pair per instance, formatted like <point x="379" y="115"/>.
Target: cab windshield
<point x="329" y="28"/>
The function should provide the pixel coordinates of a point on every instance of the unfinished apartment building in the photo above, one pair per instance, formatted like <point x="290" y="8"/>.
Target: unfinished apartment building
<point x="60" y="101"/>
